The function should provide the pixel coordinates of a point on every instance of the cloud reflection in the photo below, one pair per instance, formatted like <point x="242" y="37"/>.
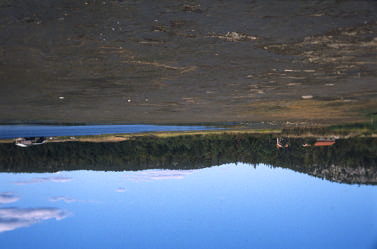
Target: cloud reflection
<point x="8" y="197"/>
<point x="45" y="179"/>
<point x="13" y="218"/>
<point x="149" y="175"/>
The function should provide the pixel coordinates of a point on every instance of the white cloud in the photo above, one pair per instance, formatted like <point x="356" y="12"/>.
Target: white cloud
<point x="149" y="175"/>
<point x="45" y="179"/>
<point x="120" y="190"/>
<point x="8" y="197"/>
<point x="60" y="179"/>
<point x="62" y="198"/>
<point x="13" y="218"/>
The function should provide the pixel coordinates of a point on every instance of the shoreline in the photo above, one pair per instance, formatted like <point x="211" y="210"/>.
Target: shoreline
<point x="293" y="132"/>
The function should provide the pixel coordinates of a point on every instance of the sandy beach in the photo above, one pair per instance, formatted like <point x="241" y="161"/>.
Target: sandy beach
<point x="187" y="61"/>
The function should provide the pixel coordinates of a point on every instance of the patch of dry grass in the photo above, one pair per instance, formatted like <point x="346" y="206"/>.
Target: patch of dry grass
<point x="312" y="109"/>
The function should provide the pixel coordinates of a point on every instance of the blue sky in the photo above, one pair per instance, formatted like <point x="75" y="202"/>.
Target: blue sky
<point x="231" y="206"/>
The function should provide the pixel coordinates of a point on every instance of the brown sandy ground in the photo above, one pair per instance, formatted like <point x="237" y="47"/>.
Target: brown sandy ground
<point x="187" y="61"/>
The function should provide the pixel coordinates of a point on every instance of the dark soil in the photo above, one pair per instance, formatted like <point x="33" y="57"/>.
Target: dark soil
<point x="146" y="61"/>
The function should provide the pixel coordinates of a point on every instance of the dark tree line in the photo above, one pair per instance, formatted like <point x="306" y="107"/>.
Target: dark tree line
<point x="187" y="152"/>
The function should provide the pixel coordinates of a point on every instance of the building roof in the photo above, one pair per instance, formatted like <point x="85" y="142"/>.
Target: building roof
<point x="324" y="143"/>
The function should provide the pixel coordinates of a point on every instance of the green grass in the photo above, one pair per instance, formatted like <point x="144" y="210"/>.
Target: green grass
<point x="365" y="127"/>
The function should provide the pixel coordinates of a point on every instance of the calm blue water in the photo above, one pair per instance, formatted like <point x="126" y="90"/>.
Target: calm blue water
<point x="15" y="131"/>
<point x="230" y="206"/>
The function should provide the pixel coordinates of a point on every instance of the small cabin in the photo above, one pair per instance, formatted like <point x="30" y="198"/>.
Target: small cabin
<point x="279" y="144"/>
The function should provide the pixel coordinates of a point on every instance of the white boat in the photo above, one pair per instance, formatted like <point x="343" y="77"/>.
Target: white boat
<point x="26" y="142"/>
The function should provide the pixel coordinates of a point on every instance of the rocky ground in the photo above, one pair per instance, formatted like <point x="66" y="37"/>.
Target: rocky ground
<point x="144" y="61"/>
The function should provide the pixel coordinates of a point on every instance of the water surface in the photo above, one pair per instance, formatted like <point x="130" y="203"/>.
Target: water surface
<point x="14" y="131"/>
<point x="230" y="206"/>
